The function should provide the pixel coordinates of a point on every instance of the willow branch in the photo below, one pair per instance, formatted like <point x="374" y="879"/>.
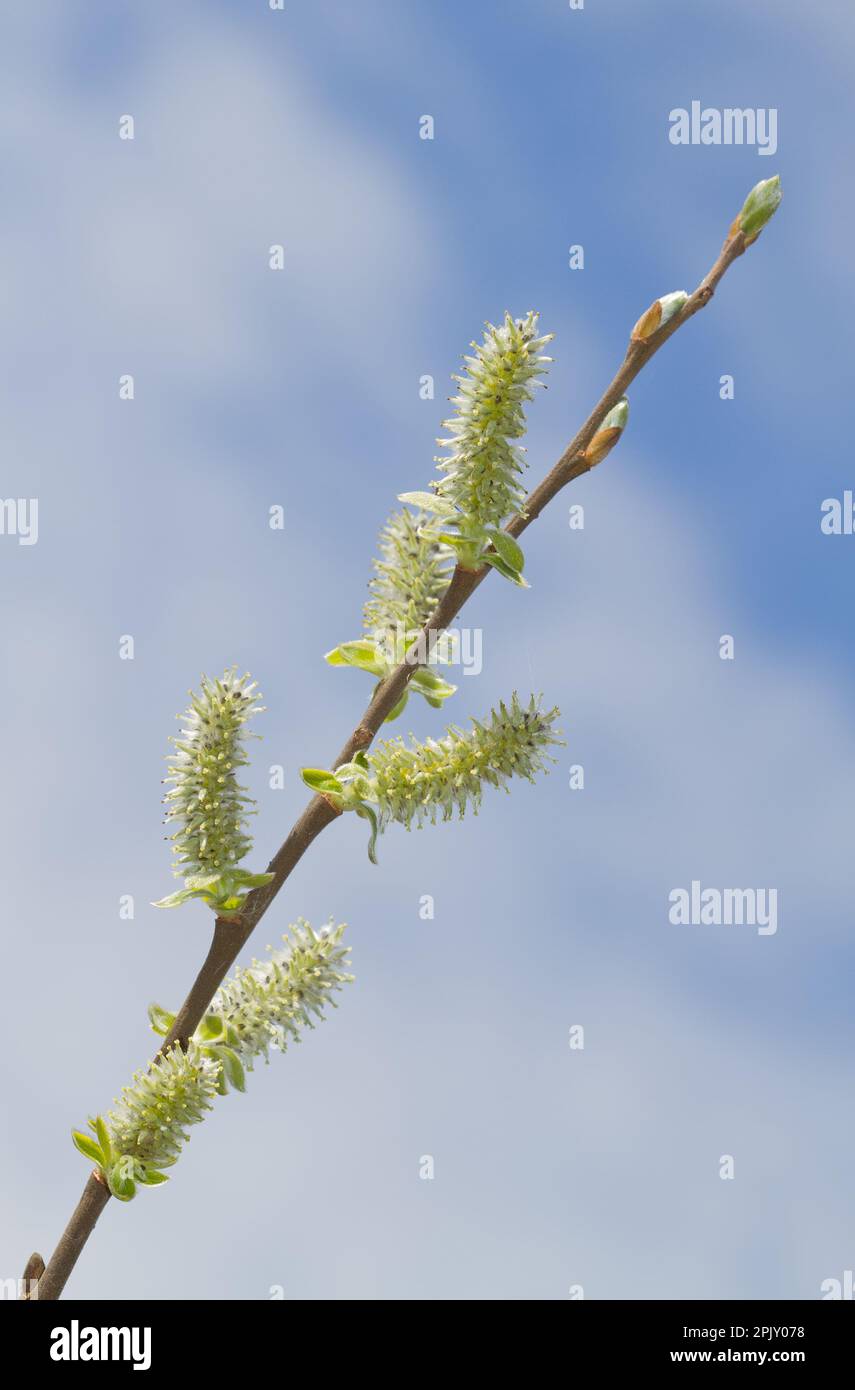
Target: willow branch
<point x="231" y="936"/>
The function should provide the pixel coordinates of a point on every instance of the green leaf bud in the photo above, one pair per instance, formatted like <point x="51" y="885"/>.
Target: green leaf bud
<point x="759" y="207"/>
<point x="660" y="312"/>
<point x="608" y="434"/>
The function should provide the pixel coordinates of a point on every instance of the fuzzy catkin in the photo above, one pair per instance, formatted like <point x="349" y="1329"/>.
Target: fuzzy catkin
<point x="267" y="1003"/>
<point x="417" y="783"/>
<point x="152" y="1115"/>
<point x="481" y="475"/>
<point x="410" y="576"/>
<point x="205" y="799"/>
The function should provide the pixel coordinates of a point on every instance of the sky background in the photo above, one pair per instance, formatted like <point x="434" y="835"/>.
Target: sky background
<point x="554" y="1168"/>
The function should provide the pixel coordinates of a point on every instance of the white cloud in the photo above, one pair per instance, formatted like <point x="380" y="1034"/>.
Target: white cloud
<point x="159" y="246"/>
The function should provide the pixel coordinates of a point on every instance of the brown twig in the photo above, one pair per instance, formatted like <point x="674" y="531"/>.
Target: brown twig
<point x="230" y="937"/>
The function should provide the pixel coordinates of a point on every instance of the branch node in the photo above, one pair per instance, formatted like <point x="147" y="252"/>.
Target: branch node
<point x="231" y="919"/>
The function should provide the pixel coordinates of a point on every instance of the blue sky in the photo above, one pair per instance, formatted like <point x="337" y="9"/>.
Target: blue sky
<point x="553" y="1167"/>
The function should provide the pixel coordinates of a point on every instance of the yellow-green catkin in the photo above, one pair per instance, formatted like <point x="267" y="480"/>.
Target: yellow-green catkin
<point x="423" y="781"/>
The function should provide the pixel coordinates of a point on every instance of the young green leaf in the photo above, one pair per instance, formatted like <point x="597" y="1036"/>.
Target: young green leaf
<point x="183" y="895"/>
<point x="432" y="686"/>
<point x="160" y="1020"/>
<point x="121" y="1179"/>
<point x="202" y="882"/>
<point x="358" y="653"/>
<point x="503" y="568"/>
<point x="318" y="779"/>
<point x="367" y="813"/>
<point x="103" y="1136"/>
<point x="397" y="709"/>
<point x="150" y="1177"/>
<point x="428" y="502"/>
<point x="244" y="879"/>
<point x="87" y="1147"/>
<point x="508" y="549"/>
<point x="210" y="1029"/>
<point x="232" y="1068"/>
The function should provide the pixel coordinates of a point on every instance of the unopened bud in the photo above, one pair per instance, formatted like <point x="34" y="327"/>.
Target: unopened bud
<point x="608" y="434"/>
<point x="660" y="311"/>
<point x="761" y="204"/>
